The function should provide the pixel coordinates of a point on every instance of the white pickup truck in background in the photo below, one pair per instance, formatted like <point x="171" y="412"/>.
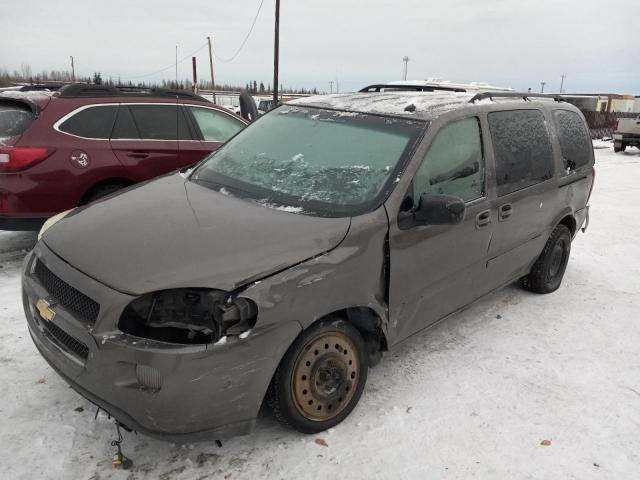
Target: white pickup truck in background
<point x="627" y="134"/>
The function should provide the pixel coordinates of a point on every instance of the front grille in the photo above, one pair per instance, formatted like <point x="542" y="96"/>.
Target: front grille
<point x="66" y="295"/>
<point x="67" y="341"/>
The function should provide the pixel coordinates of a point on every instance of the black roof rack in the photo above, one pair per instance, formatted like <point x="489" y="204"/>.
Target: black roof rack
<point x="82" y="90"/>
<point x="524" y="96"/>
<point x="410" y="88"/>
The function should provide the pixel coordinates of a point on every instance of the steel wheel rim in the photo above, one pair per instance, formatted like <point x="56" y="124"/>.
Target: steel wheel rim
<point x="325" y="376"/>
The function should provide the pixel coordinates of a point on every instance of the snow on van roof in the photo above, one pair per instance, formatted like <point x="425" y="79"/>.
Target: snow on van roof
<point x="428" y="105"/>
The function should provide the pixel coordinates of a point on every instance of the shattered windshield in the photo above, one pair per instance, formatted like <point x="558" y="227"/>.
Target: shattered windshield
<point x="312" y="160"/>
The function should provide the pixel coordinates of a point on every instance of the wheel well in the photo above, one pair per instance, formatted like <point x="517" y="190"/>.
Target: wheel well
<point x="365" y="319"/>
<point x="118" y="181"/>
<point x="570" y="223"/>
<point x="369" y="324"/>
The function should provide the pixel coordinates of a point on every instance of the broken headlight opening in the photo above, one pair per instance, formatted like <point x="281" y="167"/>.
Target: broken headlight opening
<point x="188" y="316"/>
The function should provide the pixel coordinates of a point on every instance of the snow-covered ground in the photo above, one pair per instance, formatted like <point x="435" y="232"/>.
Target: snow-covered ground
<point x="518" y="386"/>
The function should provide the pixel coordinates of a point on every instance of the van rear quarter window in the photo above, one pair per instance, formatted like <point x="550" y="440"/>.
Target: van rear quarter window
<point x="93" y="122"/>
<point x="575" y="142"/>
<point x="522" y="149"/>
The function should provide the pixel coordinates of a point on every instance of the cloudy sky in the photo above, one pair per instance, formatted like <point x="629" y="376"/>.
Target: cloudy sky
<point x="515" y="43"/>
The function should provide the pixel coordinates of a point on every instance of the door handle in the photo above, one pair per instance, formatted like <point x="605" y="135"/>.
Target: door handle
<point x="505" y="211"/>
<point x="483" y="219"/>
<point x="138" y="154"/>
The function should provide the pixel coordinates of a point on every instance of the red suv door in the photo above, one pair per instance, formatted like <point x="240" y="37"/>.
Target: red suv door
<point x="145" y="138"/>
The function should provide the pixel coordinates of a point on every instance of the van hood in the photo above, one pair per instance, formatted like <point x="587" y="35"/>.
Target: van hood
<point x="172" y="233"/>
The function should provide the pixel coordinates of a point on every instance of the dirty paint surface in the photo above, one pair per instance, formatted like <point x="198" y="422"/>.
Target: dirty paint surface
<point x="518" y="386"/>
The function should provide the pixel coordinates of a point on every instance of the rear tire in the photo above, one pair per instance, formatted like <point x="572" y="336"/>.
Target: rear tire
<point x="546" y="274"/>
<point x="321" y="377"/>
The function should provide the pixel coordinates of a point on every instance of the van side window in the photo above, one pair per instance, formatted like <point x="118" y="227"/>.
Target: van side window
<point x="522" y="149"/>
<point x="575" y="142"/>
<point x="454" y="164"/>
<point x="92" y="122"/>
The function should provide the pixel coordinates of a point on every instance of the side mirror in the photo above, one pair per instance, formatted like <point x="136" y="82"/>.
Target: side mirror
<point x="436" y="209"/>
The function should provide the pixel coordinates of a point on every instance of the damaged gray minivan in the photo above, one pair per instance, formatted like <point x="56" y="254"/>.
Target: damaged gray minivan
<point x="284" y="264"/>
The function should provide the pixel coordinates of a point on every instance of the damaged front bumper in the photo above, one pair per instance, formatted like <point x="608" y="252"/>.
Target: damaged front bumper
<point x="177" y="392"/>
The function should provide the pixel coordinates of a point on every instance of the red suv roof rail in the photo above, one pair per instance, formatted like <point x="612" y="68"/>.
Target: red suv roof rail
<point x="79" y="90"/>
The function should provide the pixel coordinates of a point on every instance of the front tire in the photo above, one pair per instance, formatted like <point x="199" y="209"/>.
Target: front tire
<point x="548" y="271"/>
<point x="321" y="377"/>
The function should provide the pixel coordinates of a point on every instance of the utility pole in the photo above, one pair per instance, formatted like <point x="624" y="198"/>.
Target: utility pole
<point x="542" y="84"/>
<point x="195" y="75"/>
<point x="213" y="83"/>
<point x="331" y="85"/>
<point x="73" y="70"/>
<point x="276" y="55"/>
<point x="176" y="66"/>
<point x="337" y="85"/>
<point x="562" y="77"/>
<point x="405" y="59"/>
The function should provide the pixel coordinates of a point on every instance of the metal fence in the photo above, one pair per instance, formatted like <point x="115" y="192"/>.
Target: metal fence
<point x="603" y="124"/>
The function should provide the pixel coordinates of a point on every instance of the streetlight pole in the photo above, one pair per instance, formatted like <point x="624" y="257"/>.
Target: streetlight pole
<point x="73" y="70"/>
<point x="405" y="59"/>
<point x="331" y="85"/>
<point x="542" y="84"/>
<point x="276" y="54"/>
<point x="562" y="77"/>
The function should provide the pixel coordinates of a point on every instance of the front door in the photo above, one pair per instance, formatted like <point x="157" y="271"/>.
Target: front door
<point x="435" y="269"/>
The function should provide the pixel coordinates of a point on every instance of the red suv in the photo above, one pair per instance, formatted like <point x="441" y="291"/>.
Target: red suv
<point x="86" y="141"/>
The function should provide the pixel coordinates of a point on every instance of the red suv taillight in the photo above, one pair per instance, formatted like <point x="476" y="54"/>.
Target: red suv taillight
<point x="14" y="159"/>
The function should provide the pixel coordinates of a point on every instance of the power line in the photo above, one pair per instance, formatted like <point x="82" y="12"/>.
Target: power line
<point x="230" y="59"/>
<point x="173" y="65"/>
<point x="170" y="66"/>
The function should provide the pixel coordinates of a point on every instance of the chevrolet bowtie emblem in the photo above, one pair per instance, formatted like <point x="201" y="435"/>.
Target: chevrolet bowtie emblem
<point x="45" y="310"/>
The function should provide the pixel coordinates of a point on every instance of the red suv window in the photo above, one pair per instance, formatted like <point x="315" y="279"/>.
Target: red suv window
<point x="95" y="121"/>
